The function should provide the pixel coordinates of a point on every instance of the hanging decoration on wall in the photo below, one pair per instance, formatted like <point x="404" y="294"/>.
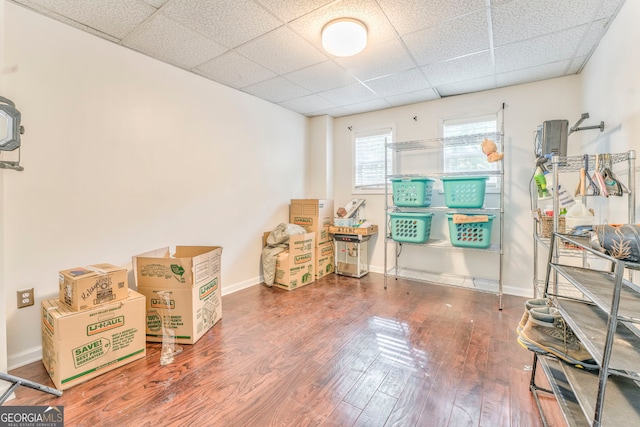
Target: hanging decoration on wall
<point x="10" y="131"/>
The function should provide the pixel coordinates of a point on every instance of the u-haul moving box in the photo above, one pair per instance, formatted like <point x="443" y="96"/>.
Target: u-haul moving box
<point x="82" y="288"/>
<point x="295" y="267"/>
<point x="80" y="345"/>
<point x="315" y="215"/>
<point x="183" y="291"/>
<point x="325" y="263"/>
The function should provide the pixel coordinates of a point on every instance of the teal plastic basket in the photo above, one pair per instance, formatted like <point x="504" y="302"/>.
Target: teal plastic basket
<point x="464" y="192"/>
<point x="409" y="192"/>
<point x="410" y="227"/>
<point x="470" y="234"/>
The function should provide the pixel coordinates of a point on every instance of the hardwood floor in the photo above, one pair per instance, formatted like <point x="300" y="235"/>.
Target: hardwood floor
<point x="340" y="352"/>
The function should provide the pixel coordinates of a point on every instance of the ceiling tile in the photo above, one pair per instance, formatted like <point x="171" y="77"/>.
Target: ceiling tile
<point x="458" y="69"/>
<point x="234" y="70"/>
<point x="156" y="3"/>
<point x="282" y="51"/>
<point x="165" y="39"/>
<point x="533" y="74"/>
<point x="475" y="85"/>
<point x="333" y="112"/>
<point x="229" y="22"/>
<point x="378" y="60"/>
<point x="524" y="19"/>
<point x="276" y="90"/>
<point x="394" y="84"/>
<point x="308" y="104"/>
<point x="324" y="76"/>
<point x="288" y="10"/>
<point x="576" y="64"/>
<point x="459" y="37"/>
<point x="609" y="9"/>
<point x="348" y="94"/>
<point x="310" y="26"/>
<point x="413" y="97"/>
<point x="592" y="37"/>
<point x="372" y="105"/>
<point x="417" y="50"/>
<point x="115" y="18"/>
<point x="409" y="15"/>
<point x="549" y="48"/>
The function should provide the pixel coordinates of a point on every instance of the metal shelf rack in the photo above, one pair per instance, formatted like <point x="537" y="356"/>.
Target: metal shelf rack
<point x="607" y="322"/>
<point x="436" y="146"/>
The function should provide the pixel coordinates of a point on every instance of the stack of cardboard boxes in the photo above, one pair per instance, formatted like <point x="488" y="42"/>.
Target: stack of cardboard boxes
<point x="98" y="324"/>
<point x="95" y="326"/>
<point x="183" y="292"/>
<point x="315" y="215"/>
<point x="310" y="256"/>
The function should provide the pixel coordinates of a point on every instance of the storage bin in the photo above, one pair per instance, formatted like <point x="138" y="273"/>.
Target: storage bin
<point x="470" y="234"/>
<point x="465" y="191"/>
<point x="409" y="192"/>
<point x="410" y="227"/>
<point x="344" y="222"/>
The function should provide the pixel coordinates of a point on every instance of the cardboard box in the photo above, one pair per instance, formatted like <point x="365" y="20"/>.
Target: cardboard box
<point x="295" y="267"/>
<point x="315" y="215"/>
<point x="183" y="291"/>
<point x="325" y="259"/>
<point x="80" y="345"/>
<point x="83" y="288"/>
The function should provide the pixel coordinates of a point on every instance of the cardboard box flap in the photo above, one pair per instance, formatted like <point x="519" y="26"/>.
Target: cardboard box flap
<point x="193" y="251"/>
<point x="191" y="266"/>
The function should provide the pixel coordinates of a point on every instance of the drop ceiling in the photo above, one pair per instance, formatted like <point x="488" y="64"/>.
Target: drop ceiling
<point x="418" y="50"/>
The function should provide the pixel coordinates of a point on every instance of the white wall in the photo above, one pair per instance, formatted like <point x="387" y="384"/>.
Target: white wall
<point x="527" y="106"/>
<point x="124" y="154"/>
<point x="611" y="93"/>
<point x="3" y="314"/>
<point x="320" y="158"/>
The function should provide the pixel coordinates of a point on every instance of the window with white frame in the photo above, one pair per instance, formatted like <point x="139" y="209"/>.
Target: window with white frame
<point x="462" y="153"/>
<point x="369" y="154"/>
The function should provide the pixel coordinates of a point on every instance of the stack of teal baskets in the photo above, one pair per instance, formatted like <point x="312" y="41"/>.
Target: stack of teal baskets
<point x="467" y="192"/>
<point x="412" y="192"/>
<point x="410" y="227"/>
<point x="470" y="234"/>
<point x="464" y="191"/>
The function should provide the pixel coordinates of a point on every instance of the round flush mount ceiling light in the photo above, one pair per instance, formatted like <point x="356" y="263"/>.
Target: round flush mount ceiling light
<point x="344" y="37"/>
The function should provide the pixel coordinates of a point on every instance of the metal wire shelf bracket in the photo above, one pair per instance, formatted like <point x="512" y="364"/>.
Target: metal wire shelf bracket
<point x="16" y="382"/>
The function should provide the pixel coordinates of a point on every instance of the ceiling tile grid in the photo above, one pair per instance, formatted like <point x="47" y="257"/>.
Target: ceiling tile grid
<point x="320" y="77"/>
<point x="276" y="90"/>
<point x="379" y="60"/>
<point x="234" y="70"/>
<point x="418" y="50"/>
<point x="290" y="10"/>
<point x="412" y="97"/>
<point x="524" y="19"/>
<point x="293" y="52"/>
<point x="170" y="41"/>
<point x="398" y="83"/>
<point x="459" y="69"/>
<point x="462" y="36"/>
<point x="408" y="16"/>
<point x="228" y="22"/>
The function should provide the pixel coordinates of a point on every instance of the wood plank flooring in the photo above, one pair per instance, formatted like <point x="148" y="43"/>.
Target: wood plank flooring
<point x="340" y="352"/>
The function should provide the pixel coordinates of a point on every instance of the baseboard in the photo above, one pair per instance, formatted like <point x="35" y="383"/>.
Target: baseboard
<point x="17" y="360"/>
<point x="460" y="281"/>
<point x="226" y="290"/>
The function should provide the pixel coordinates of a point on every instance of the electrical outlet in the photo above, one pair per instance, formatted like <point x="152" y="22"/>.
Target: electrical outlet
<point x="25" y="298"/>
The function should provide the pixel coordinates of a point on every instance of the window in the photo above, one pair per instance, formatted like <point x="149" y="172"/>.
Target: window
<point x="369" y="152"/>
<point x="463" y="153"/>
